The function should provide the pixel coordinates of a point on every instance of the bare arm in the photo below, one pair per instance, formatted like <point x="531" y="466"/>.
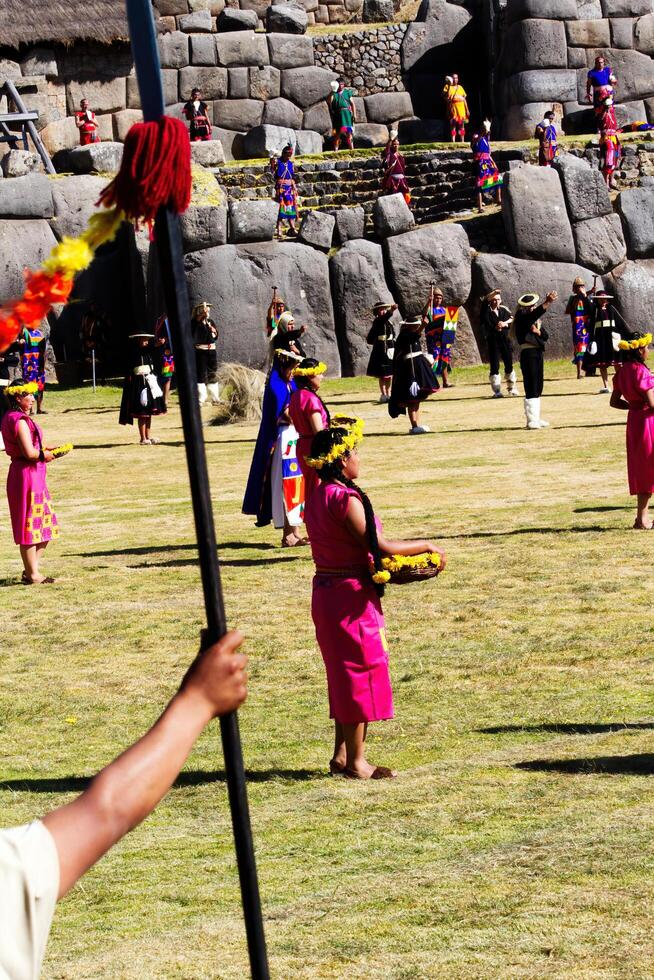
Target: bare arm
<point x="617" y="401"/>
<point x="355" y="522"/>
<point x="315" y="422"/>
<point x="28" y="450"/>
<point x="130" y="787"/>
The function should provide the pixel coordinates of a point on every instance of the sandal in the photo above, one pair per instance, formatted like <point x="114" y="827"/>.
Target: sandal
<point x="293" y="541"/>
<point x="379" y="772"/>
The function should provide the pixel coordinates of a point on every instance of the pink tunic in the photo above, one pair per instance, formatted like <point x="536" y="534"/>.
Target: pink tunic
<point x="347" y="613"/>
<point x="301" y="407"/>
<point x="33" y="519"/>
<point x="632" y="381"/>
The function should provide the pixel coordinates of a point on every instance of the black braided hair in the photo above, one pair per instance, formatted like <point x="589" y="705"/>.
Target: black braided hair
<point x="322" y="442"/>
<point x="303" y="382"/>
<point x="633" y="355"/>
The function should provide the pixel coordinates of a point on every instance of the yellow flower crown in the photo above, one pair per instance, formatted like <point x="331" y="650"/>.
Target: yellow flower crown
<point x="62" y="450"/>
<point x="309" y="372"/>
<point x="636" y="344"/>
<point x="353" y="438"/>
<point x="28" y="388"/>
<point x="395" y="563"/>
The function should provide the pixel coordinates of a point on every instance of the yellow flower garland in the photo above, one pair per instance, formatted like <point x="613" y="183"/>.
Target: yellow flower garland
<point x="309" y="372"/>
<point x="395" y="563"/>
<point x="636" y="344"/>
<point x="62" y="450"/>
<point x="29" y="388"/>
<point x="348" y="443"/>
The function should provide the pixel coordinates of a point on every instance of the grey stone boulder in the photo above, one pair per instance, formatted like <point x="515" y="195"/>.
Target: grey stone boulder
<point x="174" y="50"/>
<point x="626" y="8"/>
<point x="556" y="9"/>
<point x="388" y="107"/>
<point x="438" y="252"/>
<point x="281" y="112"/>
<point x="104" y="94"/>
<point x="466" y="349"/>
<point x="232" y="142"/>
<point x="534" y="43"/>
<point x="317" y="230"/>
<point x="203" y="227"/>
<point x="520" y="121"/>
<point x="286" y="19"/>
<point x="290" y="51"/>
<point x="644" y="34"/>
<point x="377" y="11"/>
<point x="238" y="82"/>
<point x="203" y="50"/>
<point x="308" y="143"/>
<point x="26" y="197"/>
<point x="306" y="86"/>
<point x="318" y="119"/>
<point x="198" y="22"/>
<point x="632" y="284"/>
<point x="555" y="85"/>
<point x="252" y="221"/>
<point x="169" y="79"/>
<point x="266" y="141"/>
<point x="628" y="112"/>
<point x="600" y="243"/>
<point x="74" y="202"/>
<point x="622" y="32"/>
<point x="40" y="61"/>
<point x="437" y="24"/>
<point x="584" y="188"/>
<point x="241" y="48"/>
<point x="367" y="135"/>
<point x="24" y="244"/>
<point x="238" y="280"/>
<point x="636" y="209"/>
<point x="208" y="153"/>
<point x="535" y="218"/>
<point x="517" y="276"/>
<point x="232" y="19"/>
<point x="99" y="157"/>
<point x="350" y="224"/>
<point x="18" y="163"/>
<point x="238" y="114"/>
<point x="358" y="282"/>
<point x="10" y="69"/>
<point x="417" y="130"/>
<point x="391" y="215"/>
<point x="212" y="83"/>
<point x="588" y="33"/>
<point x="264" y="82"/>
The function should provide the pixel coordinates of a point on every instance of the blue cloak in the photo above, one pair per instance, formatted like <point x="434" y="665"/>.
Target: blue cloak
<point x="258" y="496"/>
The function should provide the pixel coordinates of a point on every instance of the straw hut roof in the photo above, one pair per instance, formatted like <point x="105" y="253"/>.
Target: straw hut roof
<point x="61" y="21"/>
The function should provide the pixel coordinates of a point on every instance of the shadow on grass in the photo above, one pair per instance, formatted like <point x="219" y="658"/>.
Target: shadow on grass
<point x="90" y="409"/>
<point x="157" y="548"/>
<point x="195" y="777"/>
<point x="564" y="728"/>
<point x="233" y="563"/>
<point x="164" y="444"/>
<point x="611" y="765"/>
<point x="575" y="529"/>
<point x="602" y="509"/>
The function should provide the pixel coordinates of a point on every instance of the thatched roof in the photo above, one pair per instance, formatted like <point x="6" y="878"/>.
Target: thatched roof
<point x="61" y="21"/>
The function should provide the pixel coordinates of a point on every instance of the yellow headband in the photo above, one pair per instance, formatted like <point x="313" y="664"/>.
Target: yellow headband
<point x="636" y="344"/>
<point x="309" y="372"/>
<point x="28" y="388"/>
<point x="348" y="443"/>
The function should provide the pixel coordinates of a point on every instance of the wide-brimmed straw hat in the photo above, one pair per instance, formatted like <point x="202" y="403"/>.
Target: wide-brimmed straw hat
<point x="602" y="294"/>
<point x="415" y="322"/>
<point x="136" y="336"/>
<point x="528" y="299"/>
<point x="578" y="281"/>
<point x="493" y="292"/>
<point x="381" y="306"/>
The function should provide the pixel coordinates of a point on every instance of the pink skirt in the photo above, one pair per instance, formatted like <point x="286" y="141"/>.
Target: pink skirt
<point x="640" y="451"/>
<point x="33" y="519"/>
<point x="350" y="631"/>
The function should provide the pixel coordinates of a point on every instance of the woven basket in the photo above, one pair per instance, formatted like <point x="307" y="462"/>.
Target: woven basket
<point x="406" y="575"/>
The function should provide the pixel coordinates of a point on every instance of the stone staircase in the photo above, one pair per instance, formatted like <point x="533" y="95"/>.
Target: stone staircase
<point x="441" y="182"/>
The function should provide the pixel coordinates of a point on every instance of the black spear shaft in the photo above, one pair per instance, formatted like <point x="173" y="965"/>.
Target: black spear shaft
<point x="171" y="259"/>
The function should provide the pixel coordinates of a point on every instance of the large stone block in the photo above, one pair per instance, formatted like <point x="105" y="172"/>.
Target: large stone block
<point x="600" y="243"/>
<point x="74" y="202"/>
<point x="466" y="348"/>
<point x="103" y="96"/>
<point x="438" y="26"/>
<point x="238" y="114"/>
<point x="252" y="221"/>
<point x="203" y="227"/>
<point x="417" y="130"/>
<point x="26" y="197"/>
<point x="636" y="209"/>
<point x="306" y="86"/>
<point x="438" y="252"/>
<point x="238" y="280"/>
<point x="628" y="112"/>
<point x="266" y="141"/>
<point x="24" y="244"/>
<point x="61" y="135"/>
<point x="644" y="34"/>
<point x="626" y="8"/>
<point x="622" y="32"/>
<point x="169" y="78"/>
<point x="212" y="83"/>
<point x="308" y="143"/>
<point x="350" y="224"/>
<point x="281" y="112"/>
<point x="531" y="44"/>
<point x="588" y="33"/>
<point x="40" y="61"/>
<point x="391" y="215"/>
<point x="286" y="19"/>
<point x="172" y="8"/>
<point x="208" y="153"/>
<point x="258" y="6"/>
<point x="264" y="82"/>
<point x="557" y="85"/>
<point x="99" y="157"/>
<point x="232" y="20"/>
<point x="358" y="282"/>
<point x="388" y="107"/>
<point x="198" y="22"/>
<point x="632" y="284"/>
<point x="238" y="83"/>
<point x="19" y="163"/>
<point x="232" y="142"/>
<point x="370" y="134"/>
<point x="123" y="122"/>
<point x="584" y="189"/>
<point x="520" y="121"/>
<point x="290" y="51"/>
<point x="589" y="10"/>
<point x="317" y="118"/>
<point x="554" y="9"/>
<point x="203" y="50"/>
<point x="10" y="69"/>
<point x="535" y="217"/>
<point x="174" y="50"/>
<point x="517" y="276"/>
<point x="242" y="48"/>
<point x="317" y="230"/>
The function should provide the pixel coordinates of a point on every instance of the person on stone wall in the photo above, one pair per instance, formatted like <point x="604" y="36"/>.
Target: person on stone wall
<point x="532" y="337"/>
<point x="600" y="85"/>
<point x="285" y="190"/>
<point x="197" y="113"/>
<point x="495" y="321"/>
<point x="580" y="311"/>
<point x="456" y="103"/>
<point x="610" y="149"/>
<point x="413" y="378"/>
<point x="343" y="114"/>
<point x="382" y="338"/>
<point x="87" y="124"/>
<point x="488" y="177"/>
<point x="546" y="135"/>
<point x="394" y="177"/>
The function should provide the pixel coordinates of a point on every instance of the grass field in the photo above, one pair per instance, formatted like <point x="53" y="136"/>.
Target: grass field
<point x="516" y="841"/>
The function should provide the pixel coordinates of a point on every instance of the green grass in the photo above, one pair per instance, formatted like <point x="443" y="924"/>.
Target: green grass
<point x="469" y="865"/>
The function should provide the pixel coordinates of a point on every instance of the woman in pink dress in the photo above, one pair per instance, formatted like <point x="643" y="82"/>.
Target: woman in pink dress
<point x="33" y="519"/>
<point x="309" y="414"/>
<point x="633" y="391"/>
<point x="346" y="539"/>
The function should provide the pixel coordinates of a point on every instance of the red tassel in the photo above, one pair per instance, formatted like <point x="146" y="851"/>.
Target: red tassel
<point x="155" y="171"/>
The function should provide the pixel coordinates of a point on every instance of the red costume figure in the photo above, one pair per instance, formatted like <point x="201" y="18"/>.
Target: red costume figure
<point x="196" y="112"/>
<point x="609" y="142"/>
<point x="87" y="124"/>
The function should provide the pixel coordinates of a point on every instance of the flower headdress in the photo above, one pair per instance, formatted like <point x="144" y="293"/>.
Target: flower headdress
<point x="637" y="343"/>
<point x="20" y="387"/>
<point x="309" y="372"/>
<point x="354" y="434"/>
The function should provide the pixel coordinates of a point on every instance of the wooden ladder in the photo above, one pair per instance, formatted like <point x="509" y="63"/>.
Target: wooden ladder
<point x="25" y="119"/>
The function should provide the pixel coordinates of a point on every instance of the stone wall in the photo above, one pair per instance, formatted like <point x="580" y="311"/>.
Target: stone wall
<point x="177" y="14"/>
<point x="369" y="61"/>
